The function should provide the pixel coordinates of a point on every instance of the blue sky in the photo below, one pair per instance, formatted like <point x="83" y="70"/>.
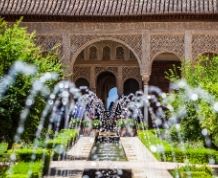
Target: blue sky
<point x="113" y="96"/>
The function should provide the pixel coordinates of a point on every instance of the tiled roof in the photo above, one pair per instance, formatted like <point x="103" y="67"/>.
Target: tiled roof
<point x="107" y="8"/>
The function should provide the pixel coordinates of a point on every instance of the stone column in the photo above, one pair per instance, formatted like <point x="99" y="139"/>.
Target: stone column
<point x="92" y="79"/>
<point x="145" y="66"/>
<point x="66" y="58"/>
<point x="145" y="79"/>
<point x="120" y="81"/>
<point x="188" y="45"/>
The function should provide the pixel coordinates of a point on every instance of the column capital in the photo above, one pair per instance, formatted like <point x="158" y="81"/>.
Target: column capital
<point x="145" y="78"/>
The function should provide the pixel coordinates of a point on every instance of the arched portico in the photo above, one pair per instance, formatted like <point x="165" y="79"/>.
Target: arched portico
<point x="101" y="60"/>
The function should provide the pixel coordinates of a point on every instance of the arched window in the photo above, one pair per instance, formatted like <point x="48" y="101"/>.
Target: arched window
<point x="106" y="53"/>
<point x="120" y="53"/>
<point x="131" y="56"/>
<point x="93" y="53"/>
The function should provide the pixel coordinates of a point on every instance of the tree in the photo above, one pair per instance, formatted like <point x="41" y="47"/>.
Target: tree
<point x="17" y="44"/>
<point x="202" y="73"/>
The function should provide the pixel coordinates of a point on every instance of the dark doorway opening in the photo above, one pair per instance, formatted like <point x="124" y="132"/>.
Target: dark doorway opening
<point x="105" y="81"/>
<point x="81" y="82"/>
<point x="130" y="86"/>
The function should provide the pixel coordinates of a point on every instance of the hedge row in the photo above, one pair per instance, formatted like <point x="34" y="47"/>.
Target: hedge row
<point x="22" y="170"/>
<point x="32" y="155"/>
<point x="32" y="159"/>
<point x="170" y="153"/>
<point x="65" y="138"/>
<point x="193" y="171"/>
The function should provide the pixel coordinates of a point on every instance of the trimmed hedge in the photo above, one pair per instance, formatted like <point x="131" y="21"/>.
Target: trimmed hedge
<point x="22" y="170"/>
<point x="194" y="171"/>
<point x="61" y="142"/>
<point x="29" y="154"/>
<point x="195" y="155"/>
<point x="65" y="138"/>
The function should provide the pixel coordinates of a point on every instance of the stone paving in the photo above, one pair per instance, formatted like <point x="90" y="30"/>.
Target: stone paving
<point x="140" y="160"/>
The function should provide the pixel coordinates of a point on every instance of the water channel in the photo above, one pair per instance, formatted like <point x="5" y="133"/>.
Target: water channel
<point x="107" y="147"/>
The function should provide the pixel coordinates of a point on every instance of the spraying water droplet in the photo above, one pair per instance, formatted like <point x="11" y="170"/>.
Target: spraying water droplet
<point x="194" y="97"/>
<point x="215" y="107"/>
<point x="204" y="132"/>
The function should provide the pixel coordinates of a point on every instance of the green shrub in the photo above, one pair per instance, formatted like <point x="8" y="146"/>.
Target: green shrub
<point x="17" y="44"/>
<point x="3" y="169"/>
<point x="30" y="154"/>
<point x="22" y="170"/>
<point x="120" y="123"/>
<point x="194" y="155"/>
<point x="61" y="142"/>
<point x="3" y="148"/>
<point x="128" y="123"/>
<point x="65" y="137"/>
<point x="75" y="123"/>
<point x="202" y="74"/>
<point x="141" y="126"/>
<point x="86" y="123"/>
<point x="96" y="123"/>
<point x="194" y="171"/>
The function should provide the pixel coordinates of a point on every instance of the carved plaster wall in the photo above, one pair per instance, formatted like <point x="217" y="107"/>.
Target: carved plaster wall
<point x="204" y="43"/>
<point x="133" y="41"/>
<point x="167" y="43"/>
<point x="49" y="42"/>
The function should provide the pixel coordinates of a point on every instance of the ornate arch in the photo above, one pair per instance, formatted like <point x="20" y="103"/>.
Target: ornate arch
<point x="80" y="42"/>
<point x="164" y="52"/>
<point x="99" y="70"/>
<point x="167" y="43"/>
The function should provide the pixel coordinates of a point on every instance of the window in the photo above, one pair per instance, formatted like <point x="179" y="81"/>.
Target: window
<point x="106" y="53"/>
<point x="93" y="53"/>
<point x="120" y="53"/>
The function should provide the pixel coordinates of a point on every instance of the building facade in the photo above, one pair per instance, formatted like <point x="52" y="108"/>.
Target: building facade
<point x="124" y="43"/>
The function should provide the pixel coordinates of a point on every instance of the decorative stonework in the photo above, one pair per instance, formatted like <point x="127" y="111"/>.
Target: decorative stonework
<point x="49" y="42"/>
<point x="81" y="72"/>
<point x="134" y="41"/>
<point x="204" y="43"/>
<point x="167" y="43"/>
<point x="131" y="72"/>
<point x="99" y="70"/>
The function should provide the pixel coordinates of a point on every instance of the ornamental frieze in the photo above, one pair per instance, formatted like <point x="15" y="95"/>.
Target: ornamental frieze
<point x="131" y="72"/>
<point x="99" y="70"/>
<point x="204" y="43"/>
<point x="81" y="72"/>
<point x="48" y="43"/>
<point x="134" y="41"/>
<point x="167" y="43"/>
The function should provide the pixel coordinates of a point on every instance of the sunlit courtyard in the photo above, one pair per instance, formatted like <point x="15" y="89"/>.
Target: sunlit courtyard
<point x="108" y="89"/>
